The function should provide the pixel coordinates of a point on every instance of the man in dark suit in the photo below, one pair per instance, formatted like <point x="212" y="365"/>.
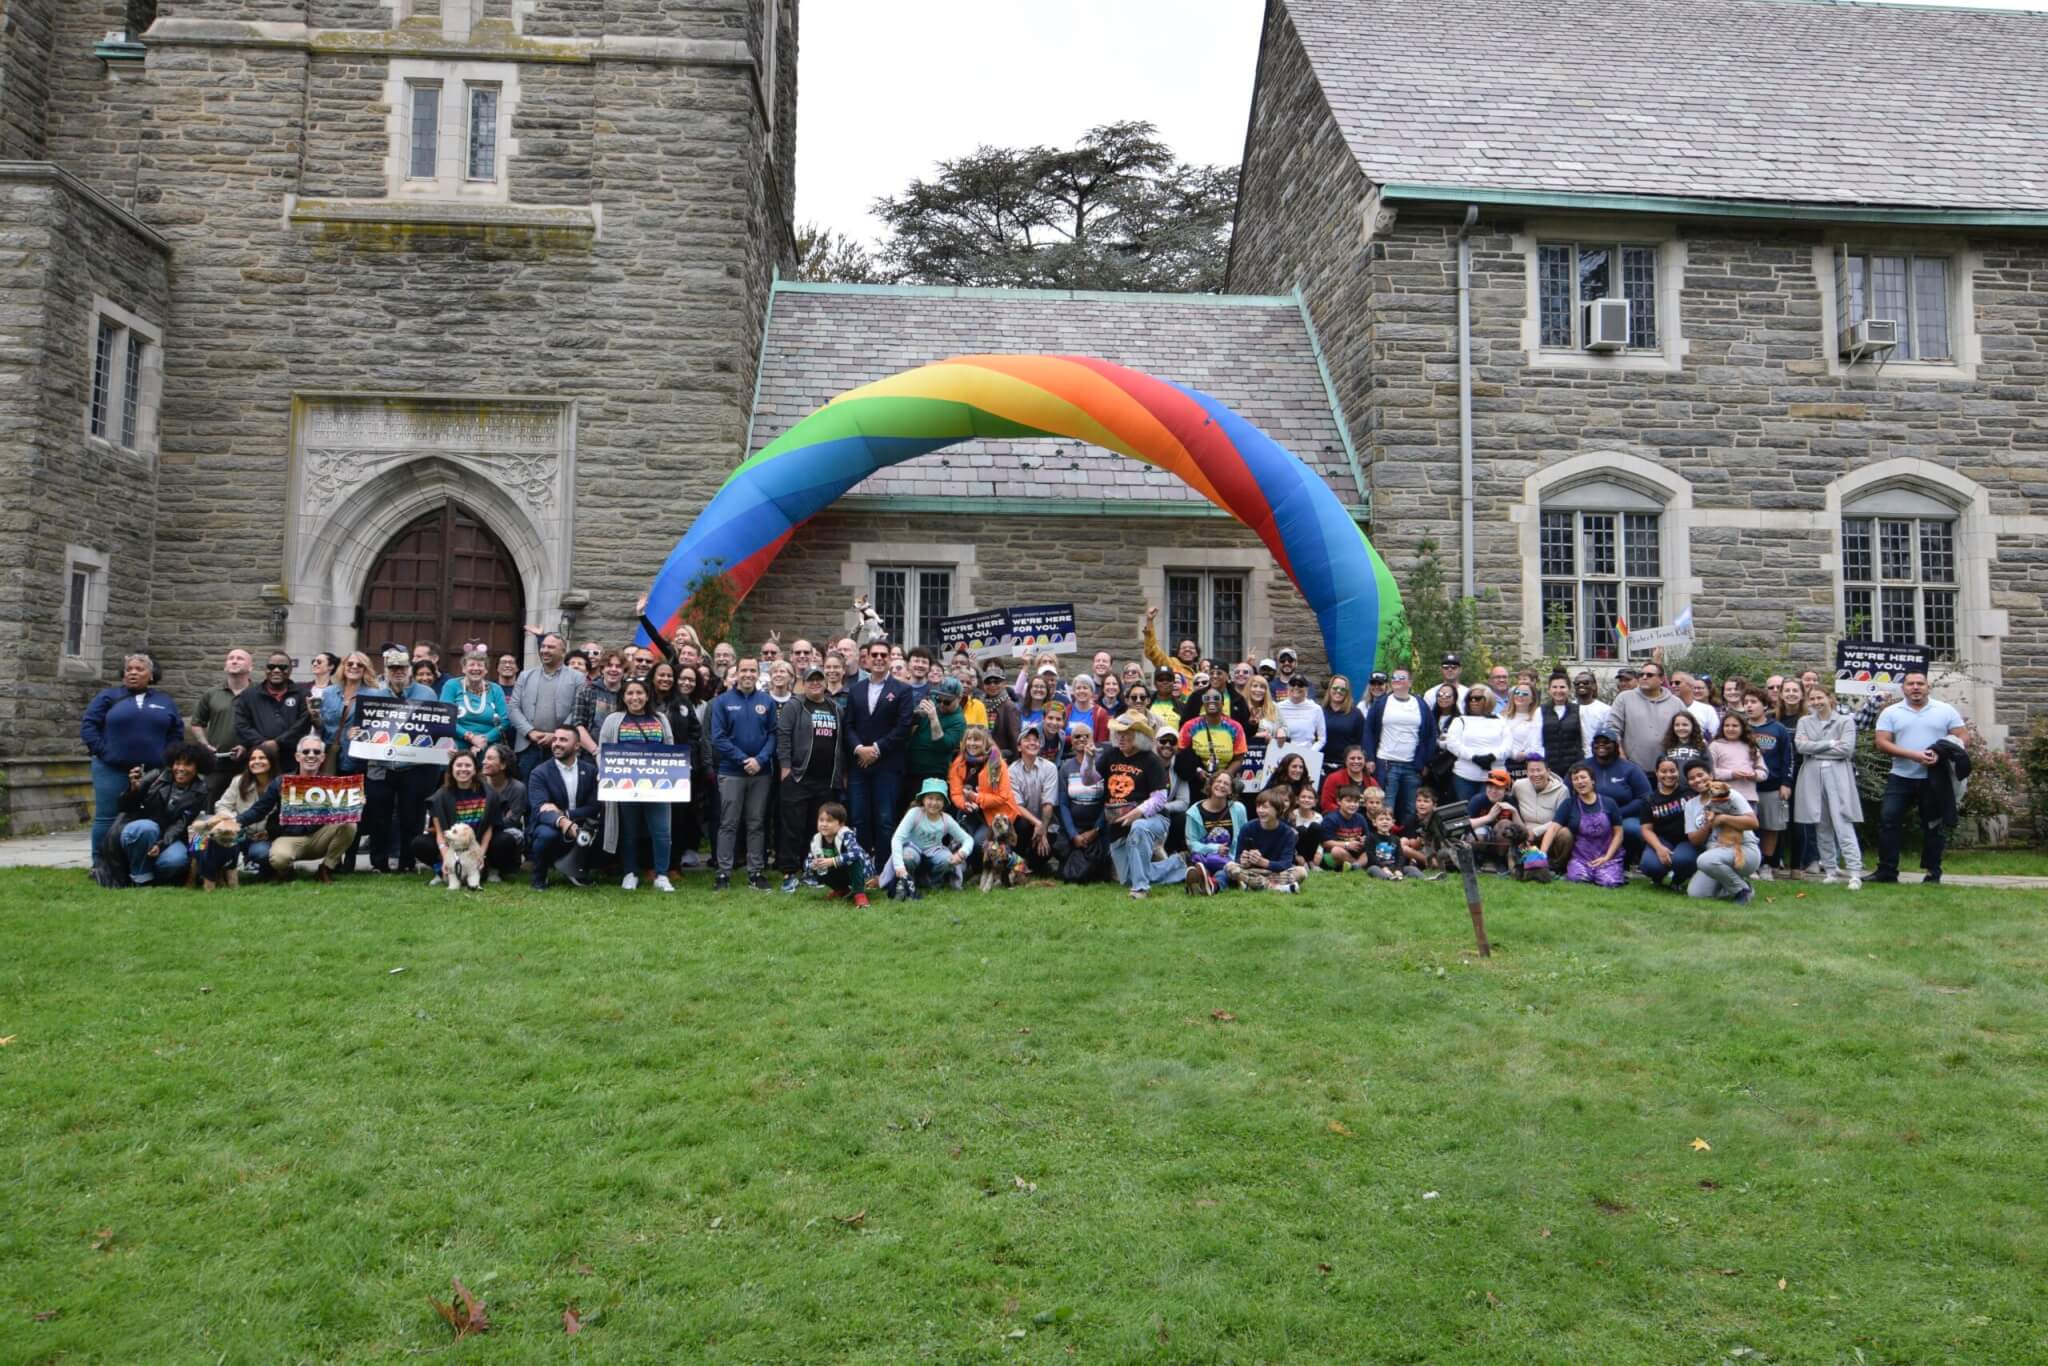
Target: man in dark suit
<point x="878" y="716"/>
<point x="561" y="798"/>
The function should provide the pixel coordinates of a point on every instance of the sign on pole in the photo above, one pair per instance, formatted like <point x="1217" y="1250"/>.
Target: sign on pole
<point x="643" y="773"/>
<point x="1863" y="668"/>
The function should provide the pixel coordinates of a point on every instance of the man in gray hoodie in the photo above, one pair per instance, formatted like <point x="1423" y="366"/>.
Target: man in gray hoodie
<point x="1642" y="714"/>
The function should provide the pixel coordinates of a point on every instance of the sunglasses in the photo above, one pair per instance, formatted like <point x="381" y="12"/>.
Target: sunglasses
<point x="268" y="667"/>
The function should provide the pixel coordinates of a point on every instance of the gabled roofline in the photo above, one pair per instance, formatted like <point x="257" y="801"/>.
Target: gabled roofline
<point x="1004" y="292"/>
<point x="1784" y="211"/>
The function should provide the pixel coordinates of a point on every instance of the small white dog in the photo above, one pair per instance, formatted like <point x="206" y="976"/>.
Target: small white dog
<point x="465" y="867"/>
<point x="870" y="628"/>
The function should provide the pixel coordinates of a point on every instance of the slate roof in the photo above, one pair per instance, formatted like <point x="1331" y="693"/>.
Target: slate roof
<point x="1252" y="353"/>
<point x="1804" y="100"/>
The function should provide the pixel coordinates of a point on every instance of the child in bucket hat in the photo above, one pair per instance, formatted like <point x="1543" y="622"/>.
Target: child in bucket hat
<point x="929" y="845"/>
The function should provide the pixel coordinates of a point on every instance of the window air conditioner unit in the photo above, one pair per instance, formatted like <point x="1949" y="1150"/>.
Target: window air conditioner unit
<point x="1607" y="325"/>
<point x="1871" y="337"/>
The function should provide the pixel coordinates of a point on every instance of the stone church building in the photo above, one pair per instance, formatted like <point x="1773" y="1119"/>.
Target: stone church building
<point x="331" y="322"/>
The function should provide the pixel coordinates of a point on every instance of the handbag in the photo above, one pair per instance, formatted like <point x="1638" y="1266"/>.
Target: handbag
<point x="1084" y="863"/>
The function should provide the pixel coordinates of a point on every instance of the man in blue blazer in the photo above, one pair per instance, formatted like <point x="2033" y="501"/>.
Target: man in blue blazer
<point x="878" y="716"/>
<point x="1400" y="740"/>
<point x="561" y="799"/>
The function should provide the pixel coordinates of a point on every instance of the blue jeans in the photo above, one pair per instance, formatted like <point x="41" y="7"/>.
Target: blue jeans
<point x="636" y="819"/>
<point x="1401" y="782"/>
<point x="1901" y="797"/>
<point x="1132" y="855"/>
<point x="170" y="861"/>
<point x="871" y="797"/>
<point x="1684" y="857"/>
<point x="929" y="867"/>
<point x="1466" y="789"/>
<point x="108" y="783"/>
<point x="529" y="759"/>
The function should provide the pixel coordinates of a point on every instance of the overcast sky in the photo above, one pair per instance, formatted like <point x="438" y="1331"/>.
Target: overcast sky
<point x="887" y="88"/>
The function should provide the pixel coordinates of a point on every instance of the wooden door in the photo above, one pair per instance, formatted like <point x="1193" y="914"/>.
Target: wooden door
<point x="447" y="579"/>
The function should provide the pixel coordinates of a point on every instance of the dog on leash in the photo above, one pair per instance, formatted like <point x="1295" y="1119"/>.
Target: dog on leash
<point x="465" y="867"/>
<point x="219" y="832"/>
<point x="1001" y="865"/>
<point x="870" y="628"/>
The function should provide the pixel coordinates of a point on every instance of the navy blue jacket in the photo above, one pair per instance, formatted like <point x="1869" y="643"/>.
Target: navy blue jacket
<point x="1425" y="740"/>
<point x="544" y="787"/>
<point x="888" y="725"/>
<point x="131" y="729"/>
<point x="742" y="728"/>
<point x="1625" y="784"/>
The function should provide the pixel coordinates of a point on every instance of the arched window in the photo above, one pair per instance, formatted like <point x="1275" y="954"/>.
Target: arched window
<point x="1603" y="547"/>
<point x="1900" y="583"/>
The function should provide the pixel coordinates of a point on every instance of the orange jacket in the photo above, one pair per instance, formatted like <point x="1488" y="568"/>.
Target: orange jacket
<point x="992" y="793"/>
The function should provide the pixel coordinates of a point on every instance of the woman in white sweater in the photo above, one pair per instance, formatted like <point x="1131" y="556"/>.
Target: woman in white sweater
<point x="1525" y="731"/>
<point x="1479" y="739"/>
<point x="1301" y="729"/>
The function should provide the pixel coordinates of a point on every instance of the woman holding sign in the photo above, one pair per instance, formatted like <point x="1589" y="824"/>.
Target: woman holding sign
<point x="481" y="717"/>
<point x="627" y="823"/>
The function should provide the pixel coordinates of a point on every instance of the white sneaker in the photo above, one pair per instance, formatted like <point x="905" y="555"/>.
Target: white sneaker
<point x="1855" y="883"/>
<point x="629" y="882"/>
<point x="494" y="876"/>
<point x="662" y="884"/>
<point x="1830" y="877"/>
<point x="691" y="859"/>
<point x="1764" y="873"/>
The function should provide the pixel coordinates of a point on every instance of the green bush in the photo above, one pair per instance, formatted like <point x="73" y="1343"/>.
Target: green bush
<point x="1434" y="623"/>
<point x="2033" y="763"/>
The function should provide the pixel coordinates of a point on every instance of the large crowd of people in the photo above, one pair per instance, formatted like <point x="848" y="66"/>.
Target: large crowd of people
<point x="859" y="767"/>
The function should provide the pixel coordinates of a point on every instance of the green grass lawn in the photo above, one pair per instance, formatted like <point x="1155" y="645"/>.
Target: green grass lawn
<point x="758" y="1128"/>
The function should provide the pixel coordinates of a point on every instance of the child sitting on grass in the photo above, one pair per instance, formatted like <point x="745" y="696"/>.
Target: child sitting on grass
<point x="1266" y="859"/>
<point x="1306" y="816"/>
<point x="1345" y="831"/>
<point x="928" y="845"/>
<point x="1419" y="846"/>
<point x="1213" y="824"/>
<point x="837" y="860"/>
<point x="1383" y="856"/>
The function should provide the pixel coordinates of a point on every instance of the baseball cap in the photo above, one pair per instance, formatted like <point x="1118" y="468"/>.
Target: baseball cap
<point x="394" y="655"/>
<point x="813" y="672"/>
<point x="1052" y="669"/>
<point x="1450" y="659"/>
<point x="1287" y="652"/>
<point x="994" y="676"/>
<point x="1501" y="776"/>
<point x="1378" y="677"/>
<point x="947" y="687"/>
<point x="1267" y="664"/>
<point x="1627" y="671"/>
<point x="1162" y="674"/>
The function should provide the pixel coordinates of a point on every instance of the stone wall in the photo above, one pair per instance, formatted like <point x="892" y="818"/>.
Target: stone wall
<point x="24" y="78"/>
<point x="98" y="117"/>
<point x="1099" y="564"/>
<point x="59" y="250"/>
<point x="1301" y="216"/>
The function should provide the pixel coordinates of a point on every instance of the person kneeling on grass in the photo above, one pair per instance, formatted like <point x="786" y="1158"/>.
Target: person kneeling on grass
<point x="1723" y="826"/>
<point x="1345" y="832"/>
<point x="1137" y="787"/>
<point x="1418" y="845"/>
<point x="1497" y="832"/>
<point x="837" y="860"/>
<point x="1213" y="826"/>
<point x="928" y="845"/>
<point x="1266" y="861"/>
<point x="1594" y="823"/>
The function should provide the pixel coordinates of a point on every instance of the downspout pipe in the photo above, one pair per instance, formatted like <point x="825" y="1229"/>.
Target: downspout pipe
<point x="1465" y="399"/>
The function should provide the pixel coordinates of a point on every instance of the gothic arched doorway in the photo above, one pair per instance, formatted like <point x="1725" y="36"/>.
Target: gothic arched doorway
<point x="448" y="579"/>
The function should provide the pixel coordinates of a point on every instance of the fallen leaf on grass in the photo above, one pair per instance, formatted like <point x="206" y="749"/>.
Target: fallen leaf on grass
<point x="45" y="1315"/>
<point x="469" y="1318"/>
<point x="394" y="972"/>
<point x="1710" y="1185"/>
<point x="582" y="1268"/>
<point x="1324" y="1267"/>
<point x="1542" y="1233"/>
<point x="1429" y="1195"/>
<point x="1493" y="1301"/>
<point x="1205" y="1204"/>
<point x="1025" y="1030"/>
<point x="572" y="1322"/>
<point x="852" y="1220"/>
<point x="718" y="1222"/>
<point x="1781" y="1282"/>
<point x="1023" y="1185"/>
<point x="6" y="1039"/>
<point x="1700" y="1145"/>
<point x="1222" y="1016"/>
<point x="1162" y="1333"/>
<point x="103" y="1240"/>
<point x="1727" y="1271"/>
<point x="1338" y="1128"/>
<point x="1015" y="1333"/>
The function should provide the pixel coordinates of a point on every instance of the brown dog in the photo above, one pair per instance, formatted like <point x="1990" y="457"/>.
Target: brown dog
<point x="1001" y="865"/>
<point x="219" y="832"/>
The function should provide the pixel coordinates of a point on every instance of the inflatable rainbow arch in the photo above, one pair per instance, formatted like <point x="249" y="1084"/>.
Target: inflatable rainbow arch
<point x="1226" y="459"/>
